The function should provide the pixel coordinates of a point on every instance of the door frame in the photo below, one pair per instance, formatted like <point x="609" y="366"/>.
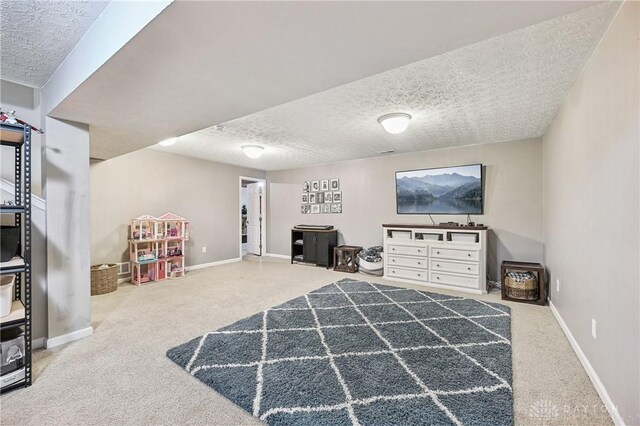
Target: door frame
<point x="263" y="207"/>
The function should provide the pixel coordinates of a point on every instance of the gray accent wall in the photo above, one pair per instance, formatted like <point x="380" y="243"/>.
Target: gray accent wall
<point x="591" y="212"/>
<point x="154" y="182"/>
<point x="512" y="198"/>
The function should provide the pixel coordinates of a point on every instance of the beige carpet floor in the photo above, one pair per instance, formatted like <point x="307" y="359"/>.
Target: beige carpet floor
<point x="121" y="375"/>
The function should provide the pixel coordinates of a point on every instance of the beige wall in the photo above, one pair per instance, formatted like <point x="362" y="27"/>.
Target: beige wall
<point x="512" y="205"/>
<point x="591" y="211"/>
<point x="154" y="182"/>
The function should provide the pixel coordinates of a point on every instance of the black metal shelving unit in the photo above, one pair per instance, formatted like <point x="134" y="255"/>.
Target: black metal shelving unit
<point x="18" y="137"/>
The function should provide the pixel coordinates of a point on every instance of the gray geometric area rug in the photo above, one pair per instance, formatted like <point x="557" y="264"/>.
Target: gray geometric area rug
<point x="359" y="353"/>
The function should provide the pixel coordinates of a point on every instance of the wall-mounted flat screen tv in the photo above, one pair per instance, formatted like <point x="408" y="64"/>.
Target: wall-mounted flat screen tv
<point x="448" y="190"/>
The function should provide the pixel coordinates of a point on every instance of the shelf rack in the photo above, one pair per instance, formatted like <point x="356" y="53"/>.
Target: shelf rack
<point x="18" y="137"/>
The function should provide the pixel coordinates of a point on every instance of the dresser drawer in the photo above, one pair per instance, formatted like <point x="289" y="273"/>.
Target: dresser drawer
<point x="410" y="250"/>
<point x="456" y="280"/>
<point x="456" y="254"/>
<point x="412" y="262"/>
<point x="409" y="274"/>
<point x="462" y="268"/>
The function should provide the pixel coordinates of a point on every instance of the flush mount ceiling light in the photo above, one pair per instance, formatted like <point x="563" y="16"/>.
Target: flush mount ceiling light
<point x="252" y="151"/>
<point x="167" y="142"/>
<point x="395" y="123"/>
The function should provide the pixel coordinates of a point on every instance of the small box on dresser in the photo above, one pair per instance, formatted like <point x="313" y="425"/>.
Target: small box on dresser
<point x="452" y="257"/>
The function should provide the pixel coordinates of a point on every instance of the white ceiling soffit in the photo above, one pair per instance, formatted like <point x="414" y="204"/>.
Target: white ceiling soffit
<point x="202" y="63"/>
<point x="36" y="36"/>
<point x="506" y="88"/>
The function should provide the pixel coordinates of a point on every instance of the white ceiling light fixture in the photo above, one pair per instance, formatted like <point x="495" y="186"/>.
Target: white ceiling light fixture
<point x="168" y="142"/>
<point x="394" y="123"/>
<point x="253" y="151"/>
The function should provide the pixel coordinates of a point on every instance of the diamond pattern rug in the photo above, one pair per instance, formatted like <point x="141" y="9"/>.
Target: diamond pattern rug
<point x="354" y="352"/>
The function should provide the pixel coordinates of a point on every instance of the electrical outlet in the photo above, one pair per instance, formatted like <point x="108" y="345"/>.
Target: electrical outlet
<point x="204" y="249"/>
<point x="593" y="328"/>
<point x="557" y="284"/>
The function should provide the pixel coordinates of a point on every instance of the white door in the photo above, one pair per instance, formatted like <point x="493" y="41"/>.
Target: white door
<point x="254" y="218"/>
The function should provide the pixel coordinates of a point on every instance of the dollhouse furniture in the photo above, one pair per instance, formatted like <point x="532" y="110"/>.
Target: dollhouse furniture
<point x="144" y="227"/>
<point x="174" y="226"/>
<point x="156" y="247"/>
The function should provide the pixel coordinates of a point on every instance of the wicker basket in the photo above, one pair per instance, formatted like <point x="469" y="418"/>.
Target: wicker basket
<point x="104" y="280"/>
<point x="521" y="285"/>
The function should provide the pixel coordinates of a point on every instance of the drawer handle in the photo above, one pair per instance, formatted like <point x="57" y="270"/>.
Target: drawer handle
<point x="438" y="252"/>
<point x="393" y="248"/>
<point x="469" y="269"/>
<point x="393" y="260"/>
<point x="469" y="254"/>
<point x="437" y="278"/>
<point x="419" y="275"/>
<point x="393" y="272"/>
<point x="419" y="263"/>
<point x="419" y="251"/>
<point x="438" y="265"/>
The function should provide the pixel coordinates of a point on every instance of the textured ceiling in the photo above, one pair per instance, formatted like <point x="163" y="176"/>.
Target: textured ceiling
<point x="200" y="63"/>
<point x="35" y="36"/>
<point x="505" y="88"/>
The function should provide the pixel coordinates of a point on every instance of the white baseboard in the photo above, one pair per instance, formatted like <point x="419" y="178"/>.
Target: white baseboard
<point x="279" y="256"/>
<point x="602" y="391"/>
<point x="210" y="264"/>
<point x="38" y="343"/>
<point x="69" y="337"/>
<point x="124" y="280"/>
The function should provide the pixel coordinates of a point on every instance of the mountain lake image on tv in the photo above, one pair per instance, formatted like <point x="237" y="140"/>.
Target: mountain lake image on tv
<point x="450" y="190"/>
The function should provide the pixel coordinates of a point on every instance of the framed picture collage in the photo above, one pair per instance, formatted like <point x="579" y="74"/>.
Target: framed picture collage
<point x="321" y="197"/>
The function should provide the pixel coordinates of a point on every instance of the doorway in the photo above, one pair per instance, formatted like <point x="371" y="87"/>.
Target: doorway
<point x="252" y="216"/>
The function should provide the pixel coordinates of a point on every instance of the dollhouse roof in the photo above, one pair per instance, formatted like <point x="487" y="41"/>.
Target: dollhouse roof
<point x="171" y="216"/>
<point x="146" y="217"/>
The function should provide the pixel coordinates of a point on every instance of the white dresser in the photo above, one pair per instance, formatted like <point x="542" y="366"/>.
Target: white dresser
<point x="453" y="257"/>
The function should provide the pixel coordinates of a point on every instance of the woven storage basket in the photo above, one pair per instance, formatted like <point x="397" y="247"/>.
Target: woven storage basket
<point x="104" y="280"/>
<point x="522" y="286"/>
